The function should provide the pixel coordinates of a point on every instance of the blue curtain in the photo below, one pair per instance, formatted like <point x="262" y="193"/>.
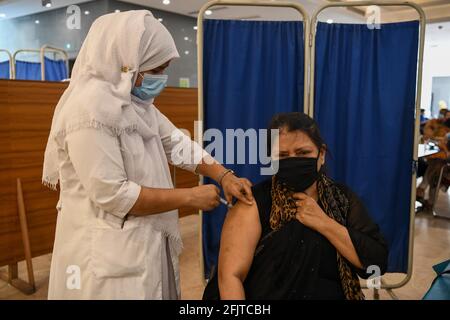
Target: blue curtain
<point x="252" y="70"/>
<point x="55" y="70"/>
<point x="364" y="104"/>
<point x="28" y="70"/>
<point x="4" y="69"/>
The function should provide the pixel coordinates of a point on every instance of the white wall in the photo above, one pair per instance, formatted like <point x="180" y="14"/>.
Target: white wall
<point x="436" y="59"/>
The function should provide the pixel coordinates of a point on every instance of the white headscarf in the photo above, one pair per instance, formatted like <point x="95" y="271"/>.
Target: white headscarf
<point x="117" y="47"/>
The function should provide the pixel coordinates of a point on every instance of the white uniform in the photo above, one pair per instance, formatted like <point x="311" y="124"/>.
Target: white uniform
<point x="100" y="181"/>
<point x="104" y="145"/>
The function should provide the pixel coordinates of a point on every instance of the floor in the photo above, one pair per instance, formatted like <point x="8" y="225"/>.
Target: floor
<point x="431" y="246"/>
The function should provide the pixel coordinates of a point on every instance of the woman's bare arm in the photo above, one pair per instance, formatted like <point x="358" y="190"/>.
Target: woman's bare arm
<point x="240" y="235"/>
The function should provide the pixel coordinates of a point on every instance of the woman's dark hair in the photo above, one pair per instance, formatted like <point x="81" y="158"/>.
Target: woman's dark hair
<point x="293" y="121"/>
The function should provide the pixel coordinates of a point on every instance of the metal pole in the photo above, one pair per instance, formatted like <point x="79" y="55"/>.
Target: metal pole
<point x="200" y="38"/>
<point x="20" y="51"/>
<point x="45" y="48"/>
<point x="11" y="64"/>
<point x="422" y="20"/>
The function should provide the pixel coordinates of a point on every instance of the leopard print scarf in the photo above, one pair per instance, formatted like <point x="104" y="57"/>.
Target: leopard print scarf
<point x="335" y="205"/>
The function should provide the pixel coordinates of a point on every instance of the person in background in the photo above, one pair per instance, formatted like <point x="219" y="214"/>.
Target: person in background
<point x="437" y="130"/>
<point x="423" y="118"/>
<point x="447" y="119"/>
<point x="442" y="113"/>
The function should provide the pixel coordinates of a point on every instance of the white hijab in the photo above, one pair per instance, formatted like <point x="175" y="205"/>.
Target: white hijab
<point x="117" y="47"/>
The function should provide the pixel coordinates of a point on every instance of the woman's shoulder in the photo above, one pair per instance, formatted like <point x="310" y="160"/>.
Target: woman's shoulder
<point x="348" y="192"/>
<point x="263" y="198"/>
<point x="262" y="193"/>
<point x="345" y="188"/>
<point x="263" y="186"/>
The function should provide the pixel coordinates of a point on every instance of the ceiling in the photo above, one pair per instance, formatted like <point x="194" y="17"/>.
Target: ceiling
<point x="18" y="8"/>
<point x="436" y="10"/>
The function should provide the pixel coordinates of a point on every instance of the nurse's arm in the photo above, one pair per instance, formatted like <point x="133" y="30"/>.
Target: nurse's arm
<point x="97" y="161"/>
<point x="240" y="235"/>
<point x="153" y="200"/>
<point x="186" y="154"/>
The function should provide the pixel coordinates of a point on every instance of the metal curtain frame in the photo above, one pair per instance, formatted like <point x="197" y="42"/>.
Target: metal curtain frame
<point x="21" y="51"/>
<point x="41" y="52"/>
<point x="11" y="64"/>
<point x="47" y="47"/>
<point x="200" y="39"/>
<point x="422" y="17"/>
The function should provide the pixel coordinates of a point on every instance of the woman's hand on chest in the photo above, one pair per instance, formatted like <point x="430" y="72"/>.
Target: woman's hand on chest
<point x="309" y="213"/>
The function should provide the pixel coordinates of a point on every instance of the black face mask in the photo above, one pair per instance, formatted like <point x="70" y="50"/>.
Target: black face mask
<point x="297" y="173"/>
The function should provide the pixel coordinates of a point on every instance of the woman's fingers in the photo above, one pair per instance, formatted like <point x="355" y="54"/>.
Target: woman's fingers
<point x="300" y="203"/>
<point x="248" y="192"/>
<point x="240" y="193"/>
<point x="300" y="196"/>
<point x="247" y="182"/>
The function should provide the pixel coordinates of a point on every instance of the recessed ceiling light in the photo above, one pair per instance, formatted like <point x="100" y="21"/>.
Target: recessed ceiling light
<point x="195" y="28"/>
<point x="47" y="3"/>
<point x="160" y="19"/>
<point x="186" y="52"/>
<point x="86" y="12"/>
<point x="330" y="21"/>
<point x="2" y="15"/>
<point x="166" y="2"/>
<point x="37" y="22"/>
<point x="186" y="38"/>
<point x="117" y="10"/>
<point x="208" y="12"/>
<point x="68" y="46"/>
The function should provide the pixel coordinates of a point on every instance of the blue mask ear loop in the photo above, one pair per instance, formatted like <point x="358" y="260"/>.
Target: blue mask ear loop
<point x="140" y="74"/>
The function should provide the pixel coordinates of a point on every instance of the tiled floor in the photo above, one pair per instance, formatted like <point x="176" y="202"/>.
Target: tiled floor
<point x="431" y="246"/>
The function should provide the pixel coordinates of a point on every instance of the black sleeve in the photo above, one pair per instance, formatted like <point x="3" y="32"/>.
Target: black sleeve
<point x="366" y="236"/>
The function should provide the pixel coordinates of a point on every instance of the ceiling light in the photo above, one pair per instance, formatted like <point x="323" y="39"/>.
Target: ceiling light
<point x="47" y="3"/>
<point x="117" y="10"/>
<point x="37" y="21"/>
<point x="195" y="28"/>
<point x="86" y="12"/>
<point x="160" y="19"/>
<point x="330" y="21"/>
<point x="2" y="15"/>
<point x="186" y="38"/>
<point x="208" y="12"/>
<point x="186" y="52"/>
<point x="68" y="46"/>
<point x="166" y="2"/>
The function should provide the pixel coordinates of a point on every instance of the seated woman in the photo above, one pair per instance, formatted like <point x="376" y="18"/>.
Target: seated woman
<point x="430" y="167"/>
<point x="305" y="236"/>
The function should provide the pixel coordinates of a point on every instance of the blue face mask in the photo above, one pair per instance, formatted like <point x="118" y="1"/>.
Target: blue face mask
<point x="151" y="87"/>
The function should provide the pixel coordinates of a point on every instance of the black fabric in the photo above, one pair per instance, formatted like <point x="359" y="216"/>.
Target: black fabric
<point x="297" y="262"/>
<point x="297" y="173"/>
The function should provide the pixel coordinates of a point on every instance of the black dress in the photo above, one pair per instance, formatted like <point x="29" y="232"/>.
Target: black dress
<point x="297" y="262"/>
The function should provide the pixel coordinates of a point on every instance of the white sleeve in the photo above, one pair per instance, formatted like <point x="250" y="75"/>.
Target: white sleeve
<point x="97" y="160"/>
<point x="180" y="149"/>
